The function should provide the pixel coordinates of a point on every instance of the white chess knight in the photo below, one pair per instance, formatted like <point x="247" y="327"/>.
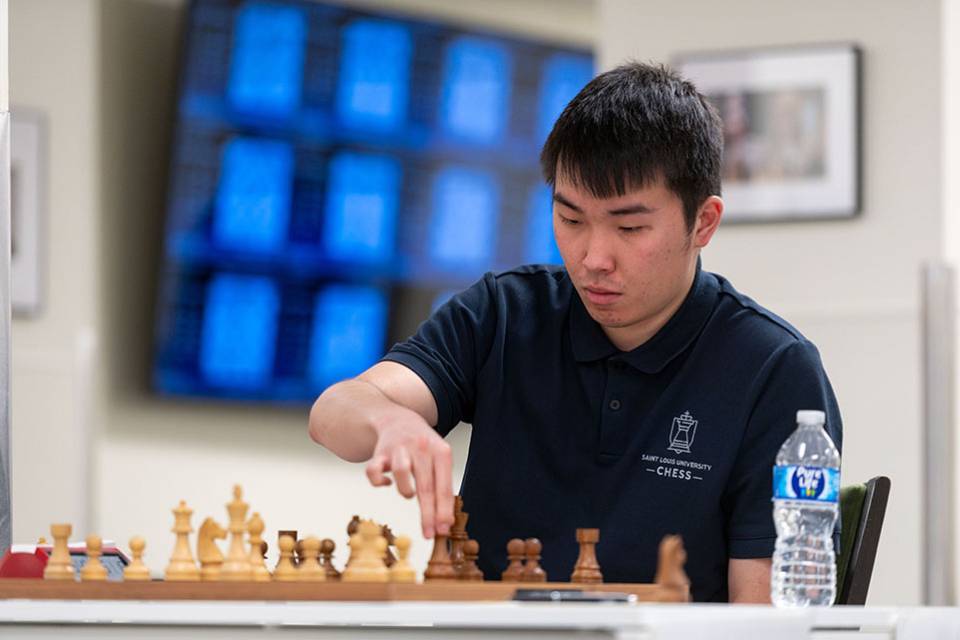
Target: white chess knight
<point x="682" y="433"/>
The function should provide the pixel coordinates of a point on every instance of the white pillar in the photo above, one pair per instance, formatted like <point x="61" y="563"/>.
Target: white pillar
<point x="5" y="516"/>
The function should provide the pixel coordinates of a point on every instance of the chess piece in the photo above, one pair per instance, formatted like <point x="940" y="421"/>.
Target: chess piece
<point x="93" y="569"/>
<point x="440" y="567"/>
<point x="670" y="562"/>
<point x="391" y="541"/>
<point x="59" y="566"/>
<point x="369" y="547"/>
<point x="136" y="570"/>
<point x="587" y="568"/>
<point x="286" y="571"/>
<point x="514" y="570"/>
<point x="402" y="571"/>
<point x="293" y="534"/>
<point x="458" y="534"/>
<point x="208" y="553"/>
<point x="237" y="565"/>
<point x="255" y="529"/>
<point x="182" y="567"/>
<point x="327" y="548"/>
<point x="352" y="528"/>
<point x="470" y="571"/>
<point x="310" y="569"/>
<point x="532" y="571"/>
<point x="354" y="525"/>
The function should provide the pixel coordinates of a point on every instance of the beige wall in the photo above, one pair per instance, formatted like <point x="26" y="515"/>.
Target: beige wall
<point x="852" y="286"/>
<point x="54" y="58"/>
<point x="950" y="74"/>
<point x="108" y="66"/>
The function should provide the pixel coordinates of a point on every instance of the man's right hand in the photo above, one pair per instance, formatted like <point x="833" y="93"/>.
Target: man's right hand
<point x="421" y="463"/>
<point x="384" y="416"/>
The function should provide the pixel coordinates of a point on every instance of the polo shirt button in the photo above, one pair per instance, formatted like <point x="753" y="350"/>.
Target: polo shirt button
<point x="614" y="405"/>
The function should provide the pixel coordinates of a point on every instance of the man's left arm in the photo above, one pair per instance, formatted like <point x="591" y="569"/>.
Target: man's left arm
<point x="792" y="379"/>
<point x="748" y="580"/>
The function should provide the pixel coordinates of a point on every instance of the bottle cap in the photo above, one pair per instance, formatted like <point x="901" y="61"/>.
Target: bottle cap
<point x="811" y="418"/>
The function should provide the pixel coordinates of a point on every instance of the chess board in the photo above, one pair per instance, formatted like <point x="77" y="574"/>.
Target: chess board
<point x="439" y="591"/>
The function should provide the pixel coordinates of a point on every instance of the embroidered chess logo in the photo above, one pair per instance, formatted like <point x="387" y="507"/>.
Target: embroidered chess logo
<point x="682" y="433"/>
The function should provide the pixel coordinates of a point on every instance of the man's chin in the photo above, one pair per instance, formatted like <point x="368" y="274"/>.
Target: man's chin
<point x="605" y="317"/>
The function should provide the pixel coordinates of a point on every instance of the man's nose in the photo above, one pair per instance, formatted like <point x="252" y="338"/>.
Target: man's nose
<point x="597" y="256"/>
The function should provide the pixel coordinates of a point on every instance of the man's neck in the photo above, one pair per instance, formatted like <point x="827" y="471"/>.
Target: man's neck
<point x="630" y="337"/>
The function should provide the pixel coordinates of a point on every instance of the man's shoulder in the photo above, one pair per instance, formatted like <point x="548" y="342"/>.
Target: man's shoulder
<point x="539" y="285"/>
<point x="532" y="276"/>
<point x="740" y="315"/>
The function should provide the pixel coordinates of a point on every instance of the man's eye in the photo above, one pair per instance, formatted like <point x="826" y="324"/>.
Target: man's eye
<point x="570" y="221"/>
<point x="631" y="229"/>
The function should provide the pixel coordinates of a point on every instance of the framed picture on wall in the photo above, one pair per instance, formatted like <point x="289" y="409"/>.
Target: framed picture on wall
<point x="791" y="122"/>
<point x="27" y="142"/>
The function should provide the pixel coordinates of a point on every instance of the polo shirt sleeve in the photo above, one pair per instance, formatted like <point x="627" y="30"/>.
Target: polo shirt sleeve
<point x="792" y="379"/>
<point x="449" y="348"/>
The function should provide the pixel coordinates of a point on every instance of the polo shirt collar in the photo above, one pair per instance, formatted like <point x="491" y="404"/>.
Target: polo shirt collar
<point x="591" y="343"/>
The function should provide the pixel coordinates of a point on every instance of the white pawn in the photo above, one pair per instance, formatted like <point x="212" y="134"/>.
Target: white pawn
<point x="401" y="571"/>
<point x="285" y="570"/>
<point x="136" y="570"/>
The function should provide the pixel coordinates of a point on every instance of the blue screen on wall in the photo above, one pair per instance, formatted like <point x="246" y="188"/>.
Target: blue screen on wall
<point x="335" y="175"/>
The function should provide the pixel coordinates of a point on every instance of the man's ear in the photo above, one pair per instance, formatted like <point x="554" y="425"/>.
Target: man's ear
<point x="708" y="219"/>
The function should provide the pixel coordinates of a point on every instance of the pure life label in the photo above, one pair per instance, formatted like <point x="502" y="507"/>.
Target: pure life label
<point x="797" y="482"/>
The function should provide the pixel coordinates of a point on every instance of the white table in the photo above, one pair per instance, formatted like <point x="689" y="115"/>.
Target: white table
<point x="291" y="620"/>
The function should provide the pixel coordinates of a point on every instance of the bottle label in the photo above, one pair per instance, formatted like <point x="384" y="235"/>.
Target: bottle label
<point x="797" y="482"/>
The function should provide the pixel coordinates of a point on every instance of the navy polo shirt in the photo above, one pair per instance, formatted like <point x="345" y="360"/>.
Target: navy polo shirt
<point x="676" y="436"/>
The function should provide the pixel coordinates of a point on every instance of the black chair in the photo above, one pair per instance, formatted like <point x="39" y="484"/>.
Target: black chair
<point x="862" y="507"/>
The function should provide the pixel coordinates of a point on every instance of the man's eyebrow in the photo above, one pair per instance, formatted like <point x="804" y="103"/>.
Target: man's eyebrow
<point x="621" y="211"/>
<point x="557" y="197"/>
<point x="632" y="208"/>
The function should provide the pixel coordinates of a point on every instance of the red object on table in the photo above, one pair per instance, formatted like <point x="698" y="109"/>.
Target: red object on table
<point x="23" y="564"/>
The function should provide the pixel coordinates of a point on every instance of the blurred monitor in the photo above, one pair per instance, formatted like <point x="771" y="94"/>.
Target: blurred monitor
<point x="335" y="176"/>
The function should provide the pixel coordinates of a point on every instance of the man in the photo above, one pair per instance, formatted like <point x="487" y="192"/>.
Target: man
<point x="631" y="391"/>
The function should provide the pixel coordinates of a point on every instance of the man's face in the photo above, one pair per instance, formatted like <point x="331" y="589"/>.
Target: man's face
<point x="630" y="257"/>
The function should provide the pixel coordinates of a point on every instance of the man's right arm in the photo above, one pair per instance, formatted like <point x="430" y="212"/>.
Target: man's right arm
<point x="386" y="416"/>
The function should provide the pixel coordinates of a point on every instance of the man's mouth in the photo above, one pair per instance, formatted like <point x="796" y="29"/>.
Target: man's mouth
<point x="600" y="296"/>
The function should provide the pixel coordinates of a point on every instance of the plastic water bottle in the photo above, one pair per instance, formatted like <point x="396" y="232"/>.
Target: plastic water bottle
<point x="806" y="487"/>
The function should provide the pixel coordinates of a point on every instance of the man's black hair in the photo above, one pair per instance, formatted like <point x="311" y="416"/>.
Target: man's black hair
<point x="633" y="125"/>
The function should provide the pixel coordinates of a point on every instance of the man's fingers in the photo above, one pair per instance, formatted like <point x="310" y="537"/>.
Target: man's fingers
<point x="443" y="481"/>
<point x="375" y="471"/>
<point x="402" y="473"/>
<point x="423" y="474"/>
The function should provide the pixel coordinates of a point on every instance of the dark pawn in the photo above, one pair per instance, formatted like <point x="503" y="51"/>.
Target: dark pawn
<point x="327" y="547"/>
<point x="514" y="571"/>
<point x="532" y="571"/>
<point x="469" y="570"/>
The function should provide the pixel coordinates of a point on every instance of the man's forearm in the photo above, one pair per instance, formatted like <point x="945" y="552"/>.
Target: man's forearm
<point x="343" y="419"/>
<point x="749" y="580"/>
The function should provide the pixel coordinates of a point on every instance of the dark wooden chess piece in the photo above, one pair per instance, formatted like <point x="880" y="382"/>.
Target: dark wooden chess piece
<point x="440" y="567"/>
<point x="327" y="547"/>
<point x="458" y="534"/>
<point x="514" y="570"/>
<point x="532" y="571"/>
<point x="391" y="539"/>
<point x="587" y="568"/>
<point x="470" y="571"/>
